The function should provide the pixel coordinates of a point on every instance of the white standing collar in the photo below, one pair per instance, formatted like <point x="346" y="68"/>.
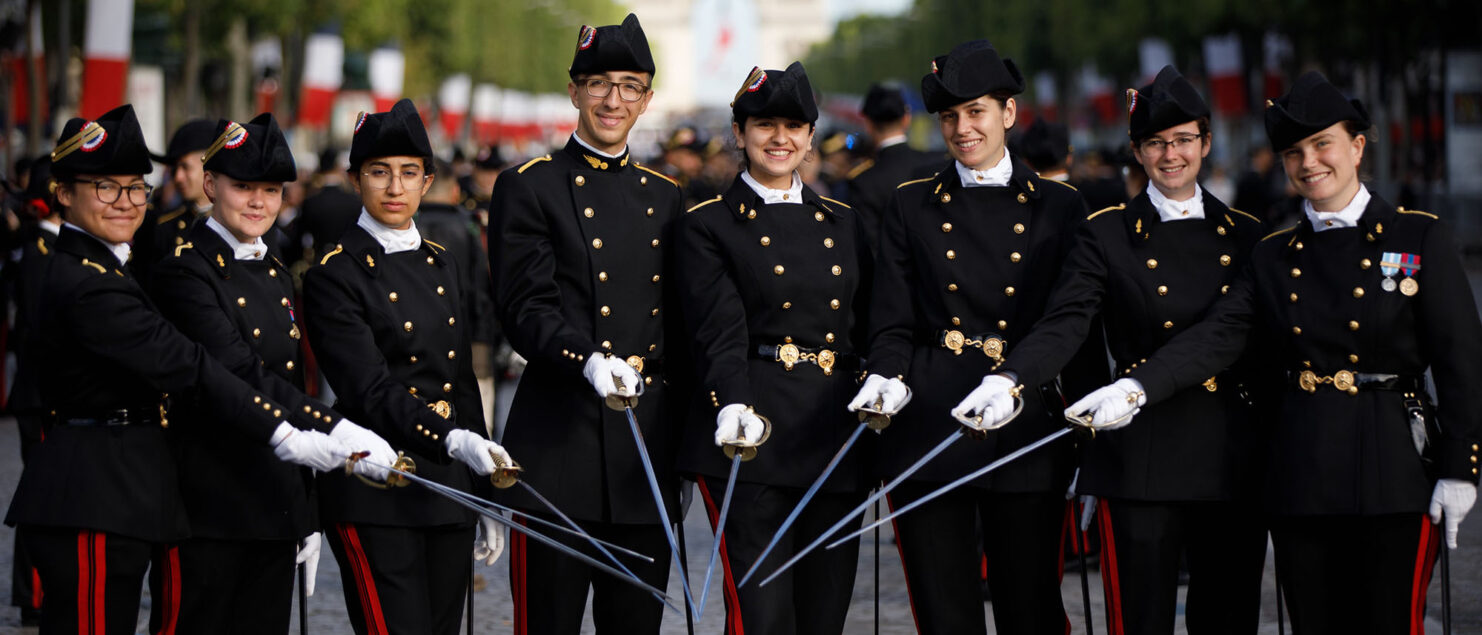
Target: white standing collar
<point x="996" y="176"/>
<point x="120" y="250"/>
<point x="254" y="250"/>
<point x="793" y="194"/>
<point x="597" y="152"/>
<point x="1170" y="210"/>
<point x="1346" y="217"/>
<point x="392" y="240"/>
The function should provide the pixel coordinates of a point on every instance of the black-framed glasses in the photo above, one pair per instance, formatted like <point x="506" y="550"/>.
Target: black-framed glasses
<point x="380" y="178"/>
<point x="108" y="192"/>
<point x="1177" y="144"/>
<point x="601" y="88"/>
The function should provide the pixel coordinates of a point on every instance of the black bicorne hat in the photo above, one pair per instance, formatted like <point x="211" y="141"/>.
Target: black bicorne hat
<point x="617" y="47"/>
<point x="489" y="158"/>
<point x="1167" y="102"/>
<point x="1044" y="144"/>
<point x="775" y="93"/>
<point x="1313" y="105"/>
<point x="396" y="133"/>
<point x="194" y="136"/>
<point x="254" y="151"/>
<point x="885" y="102"/>
<point x="112" y="144"/>
<point x="971" y="70"/>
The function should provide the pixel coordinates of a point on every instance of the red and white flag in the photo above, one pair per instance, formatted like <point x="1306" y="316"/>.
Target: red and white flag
<point x="387" y="68"/>
<point x="485" y="113"/>
<point x="105" y="50"/>
<point x="452" y="104"/>
<point x="324" y="72"/>
<point x="1097" y="91"/>
<point x="23" y="64"/>
<point x="1226" y="67"/>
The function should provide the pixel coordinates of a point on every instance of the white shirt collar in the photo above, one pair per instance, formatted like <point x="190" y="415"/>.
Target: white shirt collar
<point x="1346" y="217"/>
<point x="891" y="141"/>
<point x="597" y="152"/>
<point x="1170" y="210"/>
<point x="120" y="250"/>
<point x="769" y="196"/>
<point x="254" y="250"/>
<point x="392" y="240"/>
<point x="54" y="228"/>
<point x="996" y="176"/>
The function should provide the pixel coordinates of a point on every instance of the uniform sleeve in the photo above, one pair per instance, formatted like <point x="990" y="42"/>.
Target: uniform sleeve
<point x="714" y="314"/>
<point x="346" y="350"/>
<point x="1072" y="309"/>
<point x="1204" y="349"/>
<point x="892" y="312"/>
<point x="116" y="322"/>
<point x="524" y="272"/>
<point x="188" y="302"/>
<point x="1451" y="340"/>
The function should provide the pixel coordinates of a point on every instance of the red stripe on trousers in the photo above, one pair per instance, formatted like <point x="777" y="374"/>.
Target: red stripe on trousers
<point x="370" y="600"/>
<point x="734" y="625"/>
<point x="901" y="551"/>
<point x="36" y="591"/>
<point x="1425" y="562"/>
<point x="518" y="591"/>
<point x="1110" y="579"/>
<point x="100" y="580"/>
<point x="84" y="583"/>
<point x="171" y="577"/>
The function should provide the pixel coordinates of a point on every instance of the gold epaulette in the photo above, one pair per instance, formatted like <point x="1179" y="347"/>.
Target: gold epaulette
<point x="1279" y="232"/>
<point x="89" y="263"/>
<point x="704" y="203"/>
<point x="337" y="249"/>
<point x="41" y="246"/>
<point x="658" y="174"/>
<point x="861" y="168"/>
<point x="1072" y="187"/>
<point x="532" y="162"/>
<point x="1417" y="212"/>
<point x="436" y="246"/>
<point x="839" y="203"/>
<point x="1257" y="220"/>
<point x="915" y="181"/>
<point x="182" y="248"/>
<point x="1117" y="207"/>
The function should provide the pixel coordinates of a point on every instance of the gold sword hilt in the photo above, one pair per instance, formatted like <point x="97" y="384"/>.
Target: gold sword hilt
<point x="744" y="448"/>
<point x="504" y="475"/>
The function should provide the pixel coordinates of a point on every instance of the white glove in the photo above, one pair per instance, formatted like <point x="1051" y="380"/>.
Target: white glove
<point x="475" y="450"/>
<point x="308" y="555"/>
<point x="490" y="543"/>
<point x="892" y="393"/>
<point x="359" y="439"/>
<point x="991" y="400"/>
<point x="738" y="424"/>
<point x="1112" y="406"/>
<point x="600" y="370"/>
<point x="1455" y="497"/>
<point x="1088" y="511"/>
<point x="309" y="448"/>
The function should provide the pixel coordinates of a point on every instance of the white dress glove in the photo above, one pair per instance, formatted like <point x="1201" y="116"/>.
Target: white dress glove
<point x="600" y="370"/>
<point x="359" y="439"/>
<point x="1455" y="497"/>
<point x="737" y="424"/>
<point x="308" y="555"/>
<point x="991" y="400"/>
<point x="490" y="543"/>
<point x="475" y="451"/>
<point x="1111" y="406"/>
<point x="310" y="448"/>
<point x="892" y="393"/>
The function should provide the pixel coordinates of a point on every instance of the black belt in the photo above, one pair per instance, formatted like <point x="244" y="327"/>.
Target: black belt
<point x="120" y="417"/>
<point x="791" y="355"/>
<point x="1351" y="382"/>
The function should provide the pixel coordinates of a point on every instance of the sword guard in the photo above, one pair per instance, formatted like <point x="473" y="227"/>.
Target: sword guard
<point x="973" y="425"/>
<point x="874" y="417"/>
<point x="621" y="402"/>
<point x="402" y="462"/>
<point x="745" y="449"/>
<point x="504" y="476"/>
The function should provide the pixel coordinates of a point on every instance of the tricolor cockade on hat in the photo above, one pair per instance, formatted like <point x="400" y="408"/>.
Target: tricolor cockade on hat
<point x="971" y="70"/>
<point x="112" y="144"/>
<point x="774" y="93"/>
<point x="396" y="133"/>
<point x="252" y="151"/>
<point x="618" y="47"/>
<point x="1167" y="102"/>
<point x="1313" y="105"/>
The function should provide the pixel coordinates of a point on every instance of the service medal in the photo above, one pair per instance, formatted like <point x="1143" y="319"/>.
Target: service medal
<point x="1409" y="286"/>
<point x="1389" y="285"/>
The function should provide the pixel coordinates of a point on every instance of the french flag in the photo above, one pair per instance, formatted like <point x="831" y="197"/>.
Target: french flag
<point x="106" y="49"/>
<point x="486" y="100"/>
<point x="324" y="72"/>
<point x="25" y="63"/>
<point x="452" y="104"/>
<point x="387" y="69"/>
<point x="1226" y="68"/>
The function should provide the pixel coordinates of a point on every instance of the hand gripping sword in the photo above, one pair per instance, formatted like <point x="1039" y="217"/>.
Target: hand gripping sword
<point x="970" y="427"/>
<point x="872" y="418"/>
<point x="618" y="401"/>
<point x="739" y="452"/>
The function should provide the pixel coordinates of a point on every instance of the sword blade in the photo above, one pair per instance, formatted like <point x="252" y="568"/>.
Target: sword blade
<point x="653" y="486"/>
<point x="879" y="494"/>
<point x="720" y="527"/>
<point x="797" y="510"/>
<point x="577" y="528"/>
<point x="1009" y="458"/>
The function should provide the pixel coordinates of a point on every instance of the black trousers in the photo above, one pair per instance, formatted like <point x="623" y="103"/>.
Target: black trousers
<point x="25" y="581"/>
<point x="811" y="597"/>
<point x="1022" y="538"/>
<point x="1356" y="574"/>
<point x="92" y="579"/>
<point x="550" y="588"/>
<point x="1141" y="546"/>
<point x="403" y="580"/>
<point x="223" y="587"/>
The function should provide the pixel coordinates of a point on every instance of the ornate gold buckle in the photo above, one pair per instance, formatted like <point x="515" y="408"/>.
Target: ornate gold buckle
<point x="826" y="361"/>
<point x="788" y="354"/>
<point x="1307" y="380"/>
<point x="636" y="362"/>
<point x="954" y="341"/>
<point x="442" y="408"/>
<point x="993" y="348"/>
<point x="1343" y="380"/>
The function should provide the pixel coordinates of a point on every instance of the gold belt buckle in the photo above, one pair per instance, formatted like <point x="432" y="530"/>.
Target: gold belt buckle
<point x="1343" y="380"/>
<point x="442" y="408"/>
<point x="993" y="348"/>
<point x="954" y="341"/>
<point x="636" y="362"/>
<point x="788" y="354"/>
<point x="1307" y="380"/>
<point x="826" y="361"/>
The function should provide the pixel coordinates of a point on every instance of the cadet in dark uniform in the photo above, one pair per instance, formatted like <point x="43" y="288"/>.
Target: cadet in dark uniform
<point x="1352" y="305"/>
<point x="1181" y="480"/>
<point x="775" y="281"/>
<point x="383" y="314"/>
<point x="967" y="261"/>
<point x="872" y="183"/>
<point x="329" y="211"/>
<point x="227" y="289"/>
<point x="580" y="278"/>
<point x="165" y="229"/>
<point x="1045" y="146"/>
<point x="99" y="498"/>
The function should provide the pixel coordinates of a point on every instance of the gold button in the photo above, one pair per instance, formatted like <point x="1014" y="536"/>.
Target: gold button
<point x="256" y="333"/>
<point x="946" y="198"/>
<point x="452" y="321"/>
<point x="1018" y="228"/>
<point x="596" y="243"/>
<point x="951" y="255"/>
<point x="589" y="212"/>
<point x="787" y="305"/>
<point x="441" y="290"/>
<point x="653" y="347"/>
<point x="643" y="180"/>
<point x="766" y="240"/>
<point x="1353" y="359"/>
<point x="1358" y="292"/>
<point x="430" y="260"/>
<point x="452" y="355"/>
<point x="1353" y="325"/>
<point x="778" y="269"/>
<point x="1167" y="325"/>
<point x="653" y="243"/>
<point x="1298" y="246"/>
<point x="956" y="321"/>
<point x="273" y="273"/>
<point x="607" y="344"/>
<point x="1015" y="257"/>
<point x="751" y="214"/>
<point x="1293" y="297"/>
<point x="834" y="304"/>
<point x="946" y="227"/>
<point x="650" y="212"/>
<point x="447" y="387"/>
<point x="289" y="365"/>
<point x="1008" y="291"/>
<point x="179" y="240"/>
<point x="952" y="287"/>
<point x="602" y="276"/>
<point x="267" y="406"/>
<point x="1023" y="198"/>
<point x="580" y="180"/>
<point x="308" y="409"/>
<point x="1152" y="263"/>
<point x="256" y="399"/>
<point x="606" y="310"/>
<point x="179" y="225"/>
<point x="828" y="337"/>
<point x="1225" y="259"/>
<point x="284" y="301"/>
<point x="412" y="390"/>
<point x="1162" y="289"/>
<point x="818" y="216"/>
<point x="1365" y="264"/>
<point x="1224" y="289"/>
<point x="241" y="301"/>
<point x="837" y="270"/>
<point x="413" y="359"/>
<point x="828" y="242"/>
<point x="1220" y="230"/>
<point x="393" y="297"/>
<point x="1002" y="325"/>
<point x="407" y="326"/>
<point x="656" y="279"/>
<point x="1296" y="273"/>
<point x="654" y="313"/>
<point x="1296" y="330"/>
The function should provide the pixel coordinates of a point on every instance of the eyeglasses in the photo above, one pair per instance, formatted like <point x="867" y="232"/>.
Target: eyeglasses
<point x="108" y="192"/>
<point x="380" y="178"/>
<point x="1177" y="144"/>
<point x="601" y="88"/>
